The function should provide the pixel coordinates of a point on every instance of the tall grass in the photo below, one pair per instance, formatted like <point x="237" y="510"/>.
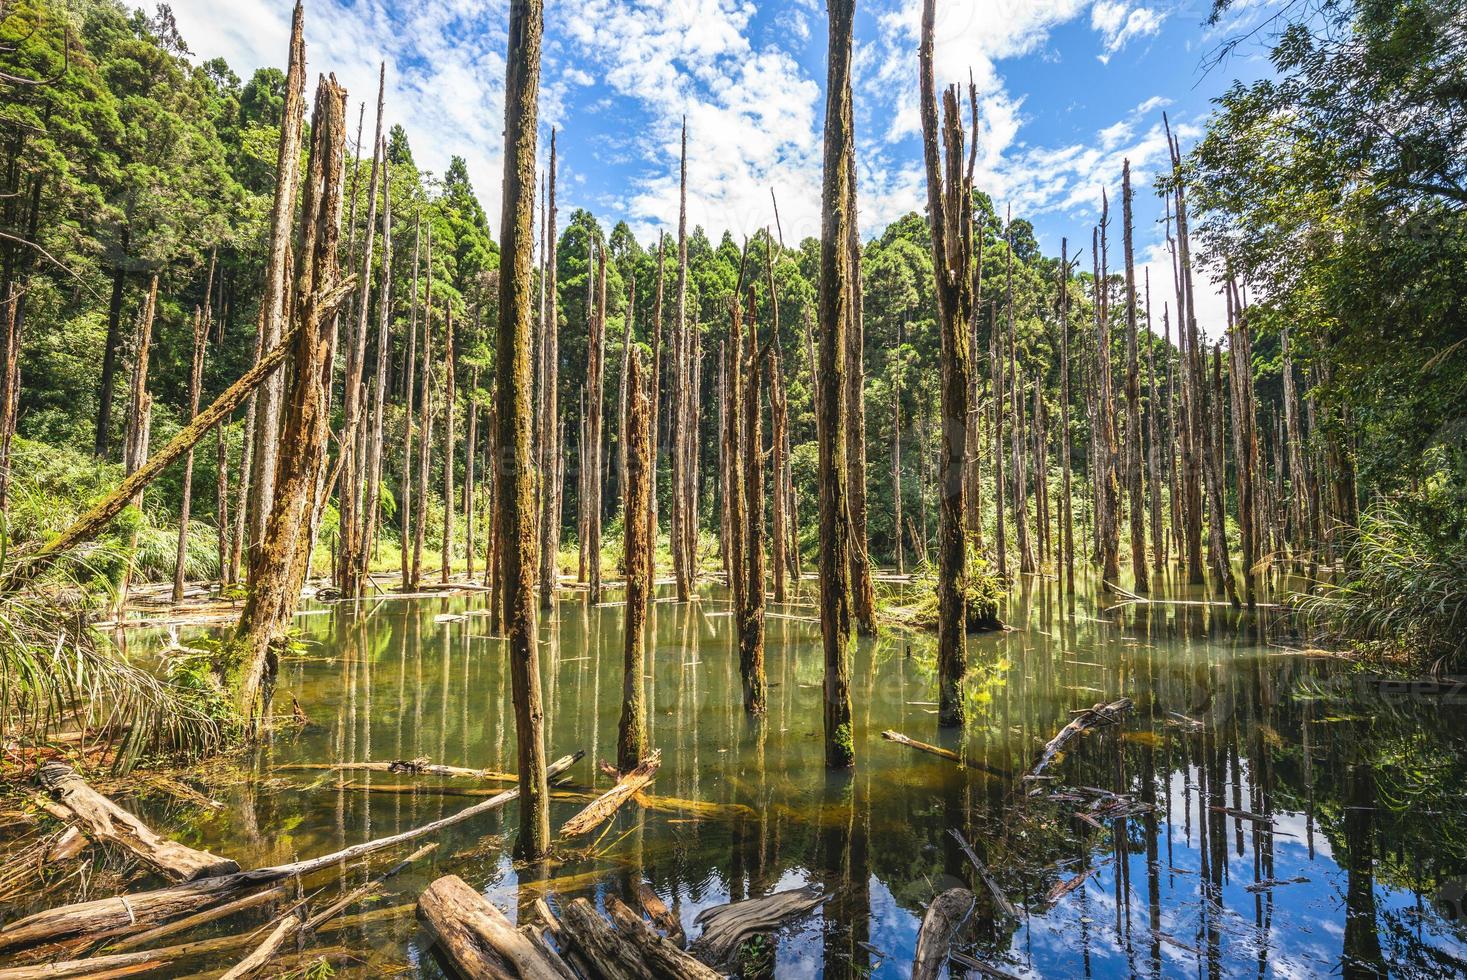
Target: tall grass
<point x="1403" y="593"/>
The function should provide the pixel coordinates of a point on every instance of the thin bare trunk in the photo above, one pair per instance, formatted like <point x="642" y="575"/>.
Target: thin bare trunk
<point x="1137" y="508"/>
<point x="631" y="740"/>
<point x="196" y="377"/>
<point x="550" y="443"/>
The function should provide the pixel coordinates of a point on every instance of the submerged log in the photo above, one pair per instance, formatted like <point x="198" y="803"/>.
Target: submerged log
<point x="942" y="753"/>
<point x="265" y="952"/>
<point x="615" y="958"/>
<point x="201" y="918"/>
<point x="107" y="917"/>
<point x="662" y="956"/>
<point x="405" y="766"/>
<point x="477" y="937"/>
<point x="659" y="913"/>
<point x="999" y="898"/>
<point x="601" y="808"/>
<point x="105" y="820"/>
<point x="943" y="919"/>
<point x="1093" y="717"/>
<point x="725" y="926"/>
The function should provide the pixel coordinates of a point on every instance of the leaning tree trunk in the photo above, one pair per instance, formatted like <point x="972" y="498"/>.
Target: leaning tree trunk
<point x="284" y="552"/>
<point x="835" y="319"/>
<point x="275" y="300"/>
<point x="950" y="202"/>
<point x="515" y="471"/>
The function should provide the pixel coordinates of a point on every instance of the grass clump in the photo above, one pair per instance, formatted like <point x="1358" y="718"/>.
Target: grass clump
<point x="1403" y="594"/>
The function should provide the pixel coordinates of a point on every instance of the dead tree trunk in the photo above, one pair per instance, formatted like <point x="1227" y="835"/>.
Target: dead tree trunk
<point x="1245" y="438"/>
<point x="863" y="590"/>
<point x="449" y="396"/>
<point x="1015" y="408"/>
<point x="996" y="413"/>
<point x="284" y="551"/>
<point x="751" y="617"/>
<point x="621" y="394"/>
<point x="378" y="389"/>
<point x="196" y="377"/>
<point x="1067" y="513"/>
<point x="631" y="741"/>
<point x="1137" y="508"/>
<point x="1193" y="388"/>
<point x="471" y="442"/>
<point x="515" y="470"/>
<point x="425" y="424"/>
<point x="778" y="426"/>
<point x="682" y="571"/>
<point x="835" y="319"/>
<point x="1212" y="452"/>
<point x="1107" y="516"/>
<point x="275" y="300"/>
<point x="596" y="355"/>
<point x="409" y="423"/>
<point x="653" y="440"/>
<point x="950" y="203"/>
<point x="1153" y="457"/>
<point x="550" y="446"/>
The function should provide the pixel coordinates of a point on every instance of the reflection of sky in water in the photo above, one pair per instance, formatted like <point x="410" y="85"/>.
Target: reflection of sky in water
<point x="397" y="684"/>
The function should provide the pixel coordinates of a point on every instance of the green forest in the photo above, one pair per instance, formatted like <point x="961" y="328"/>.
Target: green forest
<point x="256" y="361"/>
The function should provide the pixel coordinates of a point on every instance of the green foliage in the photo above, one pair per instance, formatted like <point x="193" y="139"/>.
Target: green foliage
<point x="1403" y="593"/>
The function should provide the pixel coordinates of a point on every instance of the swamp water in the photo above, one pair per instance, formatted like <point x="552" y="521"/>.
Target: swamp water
<point x="1244" y="762"/>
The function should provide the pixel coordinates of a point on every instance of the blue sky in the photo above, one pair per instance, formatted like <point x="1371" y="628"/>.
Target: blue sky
<point x="1068" y="89"/>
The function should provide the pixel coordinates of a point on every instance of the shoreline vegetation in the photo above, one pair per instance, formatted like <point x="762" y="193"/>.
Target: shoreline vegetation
<point x="251" y="354"/>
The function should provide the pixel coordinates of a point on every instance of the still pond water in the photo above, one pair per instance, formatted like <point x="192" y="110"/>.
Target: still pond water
<point x="1246" y="761"/>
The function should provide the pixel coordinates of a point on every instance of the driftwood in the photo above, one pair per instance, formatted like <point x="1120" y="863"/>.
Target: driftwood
<point x="201" y="918"/>
<point x="601" y="808"/>
<point x="978" y="966"/>
<point x="943" y="919"/>
<point x="1093" y="717"/>
<point x="108" y="917"/>
<point x="659" y="913"/>
<point x="265" y="952"/>
<point x="662" y="956"/>
<point x="106" y="821"/>
<point x="476" y="936"/>
<point x="999" y="898"/>
<point x="614" y="957"/>
<point x="942" y="753"/>
<point x="725" y="926"/>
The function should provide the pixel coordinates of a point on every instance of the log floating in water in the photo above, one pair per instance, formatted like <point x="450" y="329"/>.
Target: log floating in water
<point x="725" y="926"/>
<point x="407" y="766"/>
<point x="662" y="956"/>
<point x="106" y="917"/>
<point x="614" y="957"/>
<point x="601" y="808"/>
<point x="943" y="919"/>
<point x="265" y="952"/>
<point x="1093" y="717"/>
<point x="477" y="937"/>
<point x="659" y="913"/>
<point x="105" y="820"/>
<point x="949" y="754"/>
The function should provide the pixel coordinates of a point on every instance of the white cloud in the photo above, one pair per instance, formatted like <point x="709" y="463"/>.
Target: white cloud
<point x="1119" y="23"/>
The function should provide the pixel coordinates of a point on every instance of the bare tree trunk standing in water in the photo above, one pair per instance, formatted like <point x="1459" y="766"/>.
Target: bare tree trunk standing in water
<point x="378" y="388"/>
<point x="751" y="625"/>
<point x="950" y="203"/>
<point x="196" y="377"/>
<point x="1137" y="506"/>
<point x="1245" y="437"/>
<point x="425" y="423"/>
<point x="515" y="470"/>
<point x="1193" y="396"/>
<point x="835" y="319"/>
<point x="449" y="393"/>
<point x="1067" y="516"/>
<point x="273" y="303"/>
<point x="550" y="447"/>
<point x="621" y="394"/>
<point x="1153" y="457"/>
<point x="1213" y="445"/>
<point x="863" y="590"/>
<point x="778" y="424"/>
<point x="631" y="738"/>
<point x="683" y="574"/>
<point x="1107" y="527"/>
<point x="596" y="357"/>
<point x="655" y="383"/>
<point x="284" y="555"/>
<point x="409" y="423"/>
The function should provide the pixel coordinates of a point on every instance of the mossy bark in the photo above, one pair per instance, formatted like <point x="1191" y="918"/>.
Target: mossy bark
<point x="631" y="741"/>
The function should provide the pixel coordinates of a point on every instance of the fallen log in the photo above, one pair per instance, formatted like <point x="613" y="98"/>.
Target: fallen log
<point x="106" y="821"/>
<point x="978" y="966"/>
<point x="999" y="898"/>
<point x="943" y="919"/>
<point x="1093" y="717"/>
<point x="661" y="955"/>
<point x="409" y="766"/>
<point x="614" y="958"/>
<point x="265" y="952"/>
<point x="659" y="913"/>
<point x="107" y="917"/>
<point x="201" y="918"/>
<point x="1268" y="883"/>
<point x="363" y="891"/>
<point x="725" y="926"/>
<point x="601" y="808"/>
<point x="476" y="936"/>
<point x="949" y="754"/>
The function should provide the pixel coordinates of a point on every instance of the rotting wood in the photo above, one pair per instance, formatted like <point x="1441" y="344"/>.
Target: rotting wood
<point x="978" y="966"/>
<point x="1092" y="717"/>
<point x="614" y="957"/>
<point x="661" y="955"/>
<point x="601" y="808"/>
<point x="900" y="739"/>
<point x="659" y="913"/>
<point x="999" y="898"/>
<point x="265" y="952"/>
<point x="105" y="820"/>
<point x="402" y="766"/>
<point x="201" y="918"/>
<point x="942" y="920"/>
<point x="106" y="917"/>
<point x="725" y="926"/>
<point x="477" y="937"/>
